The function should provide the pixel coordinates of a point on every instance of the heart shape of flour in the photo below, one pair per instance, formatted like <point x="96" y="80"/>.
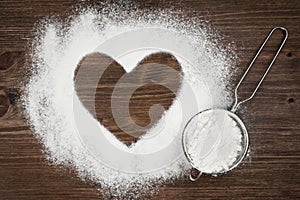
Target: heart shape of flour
<point x="128" y="104"/>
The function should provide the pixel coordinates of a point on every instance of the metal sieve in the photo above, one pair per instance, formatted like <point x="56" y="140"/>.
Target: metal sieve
<point x="239" y="123"/>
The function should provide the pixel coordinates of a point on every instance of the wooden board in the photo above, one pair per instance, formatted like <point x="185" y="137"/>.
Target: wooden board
<point x="271" y="172"/>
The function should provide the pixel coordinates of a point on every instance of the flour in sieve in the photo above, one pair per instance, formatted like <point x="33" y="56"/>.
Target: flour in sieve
<point x="213" y="141"/>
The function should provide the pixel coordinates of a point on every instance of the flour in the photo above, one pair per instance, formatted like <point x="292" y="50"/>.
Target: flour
<point x="213" y="141"/>
<point x="69" y="133"/>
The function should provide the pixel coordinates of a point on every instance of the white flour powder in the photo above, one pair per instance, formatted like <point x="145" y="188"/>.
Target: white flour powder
<point x="213" y="141"/>
<point x="72" y="137"/>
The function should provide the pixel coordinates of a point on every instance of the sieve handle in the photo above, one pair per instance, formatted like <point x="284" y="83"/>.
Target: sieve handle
<point x="236" y="103"/>
<point x="195" y="178"/>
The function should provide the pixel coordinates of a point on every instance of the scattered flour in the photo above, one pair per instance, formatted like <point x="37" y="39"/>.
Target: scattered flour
<point x="72" y="137"/>
<point x="213" y="141"/>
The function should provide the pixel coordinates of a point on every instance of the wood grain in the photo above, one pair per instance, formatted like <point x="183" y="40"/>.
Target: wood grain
<point x="272" y="171"/>
<point x="137" y="92"/>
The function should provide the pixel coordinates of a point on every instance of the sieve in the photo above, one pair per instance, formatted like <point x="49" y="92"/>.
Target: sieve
<point x="244" y="139"/>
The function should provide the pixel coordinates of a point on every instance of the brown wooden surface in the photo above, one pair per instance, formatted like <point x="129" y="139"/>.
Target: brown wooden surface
<point x="139" y="102"/>
<point x="271" y="172"/>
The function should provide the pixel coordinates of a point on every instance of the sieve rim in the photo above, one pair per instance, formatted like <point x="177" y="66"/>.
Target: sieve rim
<point x="245" y="141"/>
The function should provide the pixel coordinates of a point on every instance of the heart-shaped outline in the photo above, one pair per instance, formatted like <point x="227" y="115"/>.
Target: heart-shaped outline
<point x="116" y="87"/>
<point x="186" y="105"/>
<point x="49" y="105"/>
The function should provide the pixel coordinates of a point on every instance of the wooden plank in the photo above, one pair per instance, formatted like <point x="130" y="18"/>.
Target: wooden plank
<point x="271" y="172"/>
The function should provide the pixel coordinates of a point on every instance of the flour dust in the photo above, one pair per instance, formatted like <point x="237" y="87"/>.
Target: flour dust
<point x="70" y="135"/>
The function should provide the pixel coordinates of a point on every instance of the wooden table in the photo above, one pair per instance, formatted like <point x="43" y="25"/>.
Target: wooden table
<point x="272" y="171"/>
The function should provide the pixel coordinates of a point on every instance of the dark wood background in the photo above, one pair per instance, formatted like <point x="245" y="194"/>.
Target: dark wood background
<point x="272" y="171"/>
